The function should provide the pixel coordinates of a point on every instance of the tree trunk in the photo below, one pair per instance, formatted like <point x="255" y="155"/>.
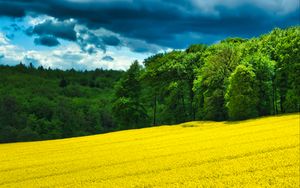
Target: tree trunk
<point x="192" y="95"/>
<point x="183" y="106"/>
<point x="281" y="104"/>
<point x="274" y="98"/>
<point x="154" y="110"/>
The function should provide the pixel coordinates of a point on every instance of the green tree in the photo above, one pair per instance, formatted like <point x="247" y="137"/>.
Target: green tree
<point x="11" y="112"/>
<point x="63" y="83"/>
<point x="283" y="47"/>
<point x="263" y="68"/>
<point x="8" y="133"/>
<point x="151" y="78"/>
<point x="128" y="108"/>
<point x="212" y="80"/>
<point x="27" y="134"/>
<point x="175" y="94"/>
<point x="241" y="96"/>
<point x="193" y="62"/>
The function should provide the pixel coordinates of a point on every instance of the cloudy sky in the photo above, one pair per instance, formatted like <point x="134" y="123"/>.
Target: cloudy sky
<point x="110" y="34"/>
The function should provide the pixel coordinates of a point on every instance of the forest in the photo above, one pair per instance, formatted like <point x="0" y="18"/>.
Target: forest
<point x="234" y="79"/>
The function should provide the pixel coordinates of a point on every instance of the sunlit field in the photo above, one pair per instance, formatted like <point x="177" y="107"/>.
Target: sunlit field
<point x="260" y="152"/>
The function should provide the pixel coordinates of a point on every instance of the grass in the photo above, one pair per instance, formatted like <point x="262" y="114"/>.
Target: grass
<point x="255" y="153"/>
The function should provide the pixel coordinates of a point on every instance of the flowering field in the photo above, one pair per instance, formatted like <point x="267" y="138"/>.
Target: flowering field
<point x="260" y="152"/>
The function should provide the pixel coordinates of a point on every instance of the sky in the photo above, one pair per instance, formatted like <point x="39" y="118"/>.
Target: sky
<point x="111" y="34"/>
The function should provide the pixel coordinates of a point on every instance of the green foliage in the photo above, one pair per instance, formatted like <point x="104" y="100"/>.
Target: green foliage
<point x="35" y="106"/>
<point x="63" y="83"/>
<point x="241" y="96"/>
<point x="283" y="47"/>
<point x="263" y="69"/>
<point x="234" y="79"/>
<point x="220" y="61"/>
<point x="128" y="108"/>
<point x="171" y="78"/>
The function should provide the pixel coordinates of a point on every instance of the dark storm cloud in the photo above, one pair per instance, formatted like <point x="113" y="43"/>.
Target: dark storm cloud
<point x="89" y="42"/>
<point x="165" y="22"/>
<point x="108" y="58"/>
<point x="141" y="46"/>
<point x="11" y="8"/>
<point x="46" y="41"/>
<point x="60" y="29"/>
<point x="111" y="40"/>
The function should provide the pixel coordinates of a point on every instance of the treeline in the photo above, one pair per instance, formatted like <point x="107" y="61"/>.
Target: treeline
<point x="39" y="104"/>
<point x="232" y="80"/>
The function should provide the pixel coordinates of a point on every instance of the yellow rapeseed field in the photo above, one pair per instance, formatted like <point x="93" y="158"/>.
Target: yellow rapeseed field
<point x="255" y="153"/>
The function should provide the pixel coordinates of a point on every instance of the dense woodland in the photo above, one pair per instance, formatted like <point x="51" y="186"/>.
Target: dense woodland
<point x="232" y="80"/>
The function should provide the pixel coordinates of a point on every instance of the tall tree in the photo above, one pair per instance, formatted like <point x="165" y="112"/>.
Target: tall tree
<point x="283" y="47"/>
<point x="263" y="68"/>
<point x="193" y="61"/>
<point x="220" y="62"/>
<point x="241" y="95"/>
<point x="128" y="107"/>
<point x="152" y="79"/>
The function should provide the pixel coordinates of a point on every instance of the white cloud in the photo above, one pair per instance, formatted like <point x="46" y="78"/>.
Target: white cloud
<point x="67" y="57"/>
<point x="3" y="39"/>
<point x="32" y="21"/>
<point x="69" y="54"/>
<point x="12" y="54"/>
